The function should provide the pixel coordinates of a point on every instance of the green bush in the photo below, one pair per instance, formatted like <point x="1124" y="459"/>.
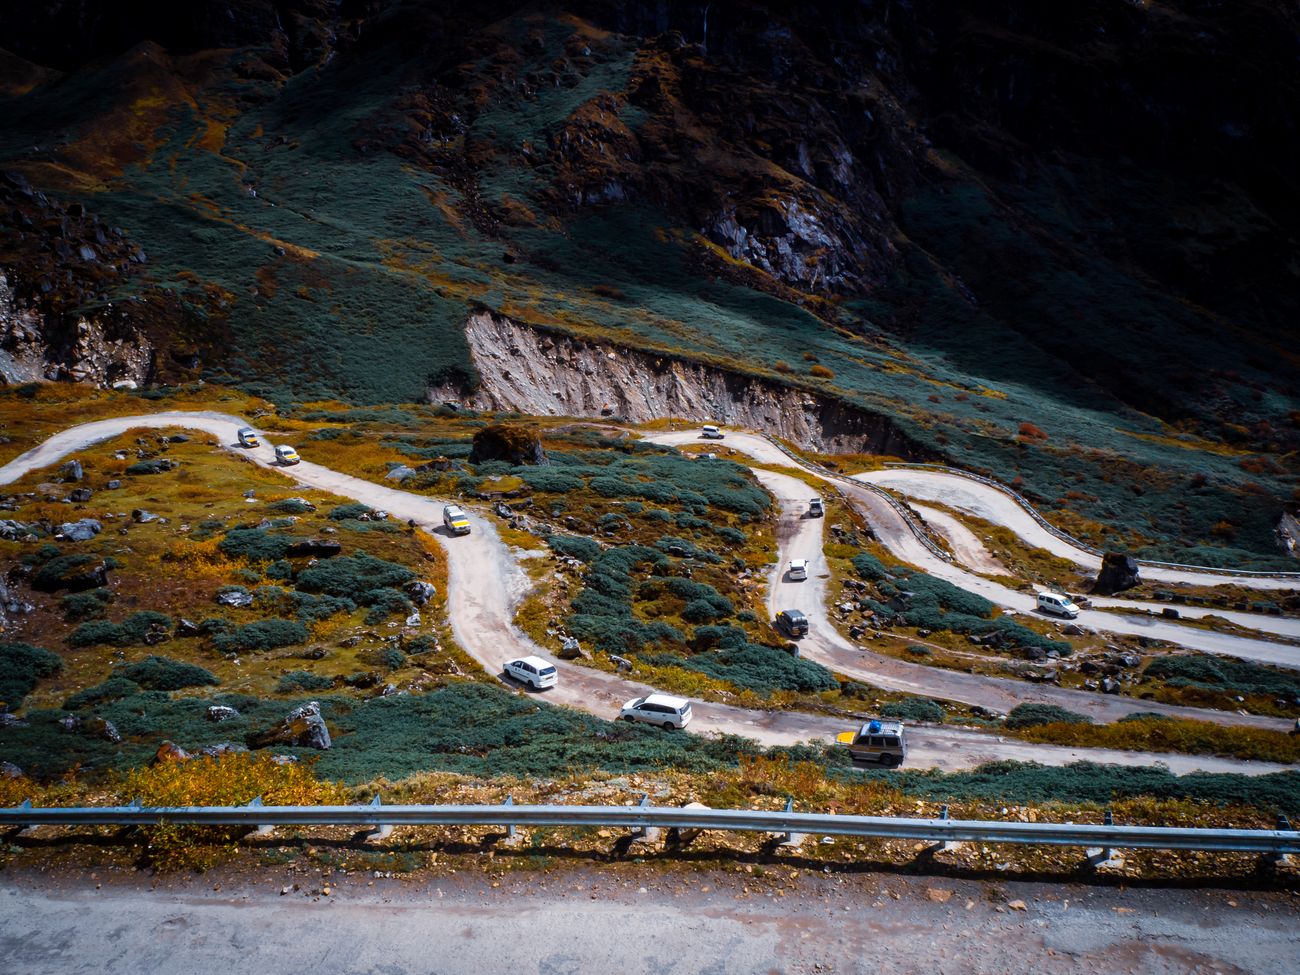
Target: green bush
<point x="914" y="709"/>
<point x="255" y="545"/>
<point x="291" y="506"/>
<point x="298" y="681"/>
<point x="53" y="570"/>
<point x="352" y="576"/>
<point x="1223" y="674"/>
<point x="575" y="547"/>
<point x="1030" y="714"/>
<point x="149" y="467"/>
<point x="21" y="666"/>
<point x="392" y="658"/>
<point x="130" y="631"/>
<point x="350" y="511"/>
<point x="384" y="603"/>
<point x="164" y="674"/>
<point x="726" y="637"/>
<point x="262" y="635"/>
<point x="113" y="689"/>
<point x="90" y="605"/>
<point x="867" y="566"/>
<point x="702" y="611"/>
<point x="759" y="668"/>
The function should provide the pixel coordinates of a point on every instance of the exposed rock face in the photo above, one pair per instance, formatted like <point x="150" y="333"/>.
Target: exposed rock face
<point x="1118" y="572"/>
<point x="545" y="373"/>
<point x="509" y="442"/>
<point x="301" y="726"/>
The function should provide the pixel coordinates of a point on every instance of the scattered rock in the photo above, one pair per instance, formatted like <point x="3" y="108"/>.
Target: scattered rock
<point x="400" y="473"/>
<point x="69" y="722"/>
<point x="8" y="720"/>
<point x="301" y="726"/>
<point x="571" y="649"/>
<point x="1017" y="905"/>
<point x="81" y="495"/>
<point x="168" y="753"/>
<point x="221" y="712"/>
<point x="420" y="592"/>
<point x="16" y="531"/>
<point x="1109" y="685"/>
<point x="71" y="471"/>
<point x="622" y="663"/>
<point x="140" y="516"/>
<point x="938" y="895"/>
<point x="178" y="438"/>
<point x="102" y="728"/>
<point x="8" y="770"/>
<point x="80" y="531"/>
<point x="222" y="748"/>
<point x="236" y="596"/>
<point x="74" y="577"/>
<point x="1072" y="629"/>
<point x="186" y="628"/>
<point x="113" y="485"/>
<point x="1118" y="572"/>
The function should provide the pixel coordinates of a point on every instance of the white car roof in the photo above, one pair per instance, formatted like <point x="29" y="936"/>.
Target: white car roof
<point x="676" y="703"/>
<point x="798" y="562"/>
<point x="284" y="446"/>
<point x="887" y="727"/>
<point x="453" y="509"/>
<point x="537" y="662"/>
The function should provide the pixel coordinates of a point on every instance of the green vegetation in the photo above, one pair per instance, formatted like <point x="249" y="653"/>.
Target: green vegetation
<point x="1030" y="714"/>
<point x="164" y="674"/>
<point x="135" y="629"/>
<point x="265" y="634"/>
<point x="21" y="667"/>
<point x="754" y="667"/>
<point x="914" y="709"/>
<point x="1224" y="674"/>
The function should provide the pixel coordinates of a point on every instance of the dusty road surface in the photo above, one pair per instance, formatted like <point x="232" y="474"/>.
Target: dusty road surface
<point x="639" y="920"/>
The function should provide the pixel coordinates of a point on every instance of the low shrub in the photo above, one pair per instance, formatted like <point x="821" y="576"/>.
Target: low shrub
<point x="298" y="681"/>
<point x="291" y="506"/>
<point x="262" y="635"/>
<point x="705" y="610"/>
<point x="726" y="637"/>
<point x="352" y="576"/>
<point x="1223" y="674"/>
<point x="21" y="667"/>
<point x="1160" y="733"/>
<point x="914" y="709"/>
<point x="762" y="669"/>
<point x="255" y="545"/>
<point x="113" y="689"/>
<point x="164" y="674"/>
<point x="145" y="467"/>
<point x="350" y="511"/>
<point x="384" y="603"/>
<point x="869" y="567"/>
<point x="575" y="547"/>
<point x="1032" y="713"/>
<point x="131" y="630"/>
<point x="53" y="570"/>
<point x="90" y="605"/>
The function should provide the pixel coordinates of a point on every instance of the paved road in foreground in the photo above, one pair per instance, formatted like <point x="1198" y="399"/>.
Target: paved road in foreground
<point x="639" y="921"/>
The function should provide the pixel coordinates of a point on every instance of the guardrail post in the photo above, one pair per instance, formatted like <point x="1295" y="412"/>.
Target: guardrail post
<point x="943" y="846"/>
<point x="789" y="838"/>
<point x="266" y="829"/>
<point x="380" y="831"/>
<point x="644" y="834"/>
<point x="1104" y="857"/>
<point x="513" y="836"/>
<point x="1278" y="861"/>
<point x="22" y="828"/>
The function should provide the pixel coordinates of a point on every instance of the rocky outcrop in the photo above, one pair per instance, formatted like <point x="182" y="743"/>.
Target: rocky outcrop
<point x="1118" y="572"/>
<point x="509" y="442"/>
<point x="301" y="726"/>
<point x="531" y="370"/>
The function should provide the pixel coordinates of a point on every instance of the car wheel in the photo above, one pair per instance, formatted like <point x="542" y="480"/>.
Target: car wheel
<point x="890" y="761"/>
<point x="669" y="726"/>
<point x="628" y="717"/>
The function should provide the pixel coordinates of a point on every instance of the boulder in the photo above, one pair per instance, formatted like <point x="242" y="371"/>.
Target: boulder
<point x="8" y="770"/>
<point x="169" y="753"/>
<point x="69" y="722"/>
<point x="16" y="531"/>
<point x="420" y="592"/>
<point x="80" y="531"/>
<point x="186" y="628"/>
<point x="510" y="442"/>
<point x="1118" y="572"/>
<point x="71" y="471"/>
<point x="301" y="726"/>
<point x="8" y="720"/>
<point x="571" y="649"/>
<point x="81" y="495"/>
<point x="236" y="596"/>
<point x="221" y="712"/>
<point x="113" y="485"/>
<point x="71" y="577"/>
<point x="102" y="728"/>
<point x="1109" y="685"/>
<point x="222" y="748"/>
<point x="140" y="516"/>
<point x="400" y="473"/>
<point x="320" y="548"/>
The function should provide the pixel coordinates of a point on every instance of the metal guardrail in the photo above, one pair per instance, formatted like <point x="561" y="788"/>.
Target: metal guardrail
<point x="908" y="516"/>
<point x="1077" y="543"/>
<point x="1277" y="842"/>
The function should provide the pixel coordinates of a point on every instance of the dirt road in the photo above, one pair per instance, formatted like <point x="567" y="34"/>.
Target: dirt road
<point x="486" y="584"/>
<point x="895" y="534"/>
<point x="640" y="921"/>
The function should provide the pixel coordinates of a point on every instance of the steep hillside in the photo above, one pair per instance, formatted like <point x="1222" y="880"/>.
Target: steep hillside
<point x="1053" y="244"/>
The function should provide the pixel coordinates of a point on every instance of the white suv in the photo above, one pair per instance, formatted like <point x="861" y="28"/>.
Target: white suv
<point x="798" y="570"/>
<point x="1058" y="604"/>
<point x="533" y="671"/>
<point x="658" y="709"/>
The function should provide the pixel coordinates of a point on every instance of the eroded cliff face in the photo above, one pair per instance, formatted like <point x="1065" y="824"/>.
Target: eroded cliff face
<point x="85" y="349"/>
<point x="532" y="370"/>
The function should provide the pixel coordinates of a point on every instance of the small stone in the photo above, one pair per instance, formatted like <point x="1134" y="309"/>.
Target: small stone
<point x="938" y="895"/>
<point x="1017" y="905"/>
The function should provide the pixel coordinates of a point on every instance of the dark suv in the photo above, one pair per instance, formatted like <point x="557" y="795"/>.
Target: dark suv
<point x="793" y="622"/>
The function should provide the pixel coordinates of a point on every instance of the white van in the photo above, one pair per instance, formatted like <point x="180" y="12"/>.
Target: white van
<point x="1058" y="604"/>
<point x="286" y="455"/>
<point x="798" y="570"/>
<point x="663" y="710"/>
<point x="710" y="432"/>
<point x="533" y="671"/>
<point x="815" y="508"/>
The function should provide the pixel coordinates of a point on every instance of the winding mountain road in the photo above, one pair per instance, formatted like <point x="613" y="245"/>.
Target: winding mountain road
<point x="896" y="535"/>
<point x="486" y="584"/>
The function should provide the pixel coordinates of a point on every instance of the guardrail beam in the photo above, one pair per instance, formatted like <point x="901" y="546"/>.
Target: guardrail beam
<point x="379" y="831"/>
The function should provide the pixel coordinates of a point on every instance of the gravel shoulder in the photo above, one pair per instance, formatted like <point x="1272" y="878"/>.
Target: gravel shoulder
<point x="640" y="920"/>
